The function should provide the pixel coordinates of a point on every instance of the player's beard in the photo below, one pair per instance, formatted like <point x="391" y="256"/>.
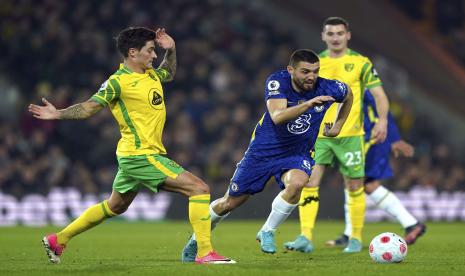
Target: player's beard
<point x="299" y="84"/>
<point x="305" y="86"/>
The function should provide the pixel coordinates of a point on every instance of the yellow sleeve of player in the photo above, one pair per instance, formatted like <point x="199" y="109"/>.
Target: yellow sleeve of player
<point x="369" y="77"/>
<point x="108" y="92"/>
<point x="162" y="74"/>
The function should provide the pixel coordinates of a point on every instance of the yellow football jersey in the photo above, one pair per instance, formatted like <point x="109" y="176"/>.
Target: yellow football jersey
<point x="356" y="71"/>
<point x="137" y="103"/>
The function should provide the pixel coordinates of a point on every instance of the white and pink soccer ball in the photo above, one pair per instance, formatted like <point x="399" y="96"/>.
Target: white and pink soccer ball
<point x="388" y="248"/>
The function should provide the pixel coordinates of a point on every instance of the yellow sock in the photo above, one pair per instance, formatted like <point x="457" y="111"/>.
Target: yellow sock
<point x="308" y="210"/>
<point x="199" y="217"/>
<point x="90" y="218"/>
<point x="357" y="212"/>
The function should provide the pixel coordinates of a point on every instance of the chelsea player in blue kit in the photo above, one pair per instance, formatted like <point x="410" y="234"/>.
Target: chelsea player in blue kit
<point x="377" y="168"/>
<point x="296" y="101"/>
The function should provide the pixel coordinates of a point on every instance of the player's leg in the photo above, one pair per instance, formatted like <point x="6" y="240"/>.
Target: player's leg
<point x="199" y="201"/>
<point x="343" y="239"/>
<point x="377" y="168"/>
<point x="389" y="202"/>
<point x="246" y="180"/>
<point x="222" y="207"/>
<point x="199" y="214"/>
<point x="219" y="210"/>
<point x="349" y="152"/>
<point x="309" y="199"/>
<point x="119" y="201"/>
<point x="282" y="206"/>
<point x="356" y="207"/>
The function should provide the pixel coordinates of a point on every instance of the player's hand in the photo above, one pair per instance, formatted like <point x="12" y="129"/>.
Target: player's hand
<point x="163" y="39"/>
<point x="319" y="101"/>
<point x="379" y="131"/>
<point x="402" y="148"/>
<point x="330" y="131"/>
<point x="44" y="112"/>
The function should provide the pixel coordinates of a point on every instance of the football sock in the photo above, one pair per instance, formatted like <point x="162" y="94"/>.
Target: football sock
<point x="91" y="217"/>
<point x="348" y="229"/>
<point x="280" y="210"/>
<point x="215" y="218"/>
<point x="199" y="217"/>
<point x="308" y="210"/>
<point x="390" y="203"/>
<point x="357" y="212"/>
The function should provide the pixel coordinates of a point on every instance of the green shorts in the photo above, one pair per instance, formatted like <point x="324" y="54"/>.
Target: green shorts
<point x="148" y="170"/>
<point x="347" y="152"/>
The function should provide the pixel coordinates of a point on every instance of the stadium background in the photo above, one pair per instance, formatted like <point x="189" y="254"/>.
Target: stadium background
<point x="64" y="50"/>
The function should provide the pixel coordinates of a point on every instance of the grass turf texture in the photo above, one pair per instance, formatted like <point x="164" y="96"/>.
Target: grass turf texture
<point x="120" y="248"/>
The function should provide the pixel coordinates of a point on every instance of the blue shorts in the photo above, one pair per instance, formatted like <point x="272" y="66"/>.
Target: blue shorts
<point x="252" y="174"/>
<point x="377" y="165"/>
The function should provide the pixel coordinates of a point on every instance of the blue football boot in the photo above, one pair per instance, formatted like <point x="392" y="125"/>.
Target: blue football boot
<point x="190" y="251"/>
<point x="301" y="244"/>
<point x="267" y="243"/>
<point x="354" y="246"/>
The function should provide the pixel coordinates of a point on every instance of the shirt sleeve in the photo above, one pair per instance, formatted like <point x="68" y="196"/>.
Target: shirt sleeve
<point x="338" y="91"/>
<point x="162" y="74"/>
<point x="108" y="92"/>
<point x="369" y="77"/>
<point x="274" y="89"/>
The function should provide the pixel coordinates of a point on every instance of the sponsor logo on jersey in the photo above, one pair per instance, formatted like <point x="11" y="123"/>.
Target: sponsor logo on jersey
<point x="155" y="99"/>
<point x="300" y="125"/>
<point x="273" y="85"/>
<point x="349" y="67"/>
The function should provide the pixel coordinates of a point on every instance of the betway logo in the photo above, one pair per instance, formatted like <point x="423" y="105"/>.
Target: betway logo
<point x="61" y="206"/>
<point x="425" y="204"/>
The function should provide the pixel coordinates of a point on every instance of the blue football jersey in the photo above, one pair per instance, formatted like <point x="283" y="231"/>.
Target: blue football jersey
<point x="371" y="115"/>
<point x="298" y="136"/>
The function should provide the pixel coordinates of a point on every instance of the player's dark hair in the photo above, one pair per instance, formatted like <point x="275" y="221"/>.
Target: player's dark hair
<point x="303" y="55"/>
<point x="133" y="37"/>
<point x="336" y="21"/>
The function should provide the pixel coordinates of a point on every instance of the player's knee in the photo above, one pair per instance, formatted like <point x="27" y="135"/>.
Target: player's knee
<point x="119" y="207"/>
<point x="296" y="185"/>
<point x="354" y="185"/>
<point x="199" y="187"/>
<point x="370" y="187"/>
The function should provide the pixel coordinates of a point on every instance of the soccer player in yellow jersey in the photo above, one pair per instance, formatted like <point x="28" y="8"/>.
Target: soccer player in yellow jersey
<point x="135" y="96"/>
<point x="343" y="64"/>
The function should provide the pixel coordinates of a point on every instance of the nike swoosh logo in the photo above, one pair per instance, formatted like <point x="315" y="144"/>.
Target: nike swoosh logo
<point x="207" y="218"/>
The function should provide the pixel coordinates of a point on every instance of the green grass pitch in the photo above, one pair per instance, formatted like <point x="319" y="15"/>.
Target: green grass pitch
<point x="153" y="248"/>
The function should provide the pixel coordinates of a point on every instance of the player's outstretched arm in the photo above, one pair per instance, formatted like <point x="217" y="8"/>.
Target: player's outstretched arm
<point x="169" y="62"/>
<point x="382" y="106"/>
<point x="402" y="148"/>
<point x="78" y="111"/>
<point x="280" y="113"/>
<point x="333" y="130"/>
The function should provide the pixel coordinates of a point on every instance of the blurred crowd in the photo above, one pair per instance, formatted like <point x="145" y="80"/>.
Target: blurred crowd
<point x="444" y="20"/>
<point x="64" y="50"/>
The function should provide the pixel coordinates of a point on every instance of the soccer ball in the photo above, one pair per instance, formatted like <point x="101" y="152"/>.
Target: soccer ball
<point x="388" y="248"/>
